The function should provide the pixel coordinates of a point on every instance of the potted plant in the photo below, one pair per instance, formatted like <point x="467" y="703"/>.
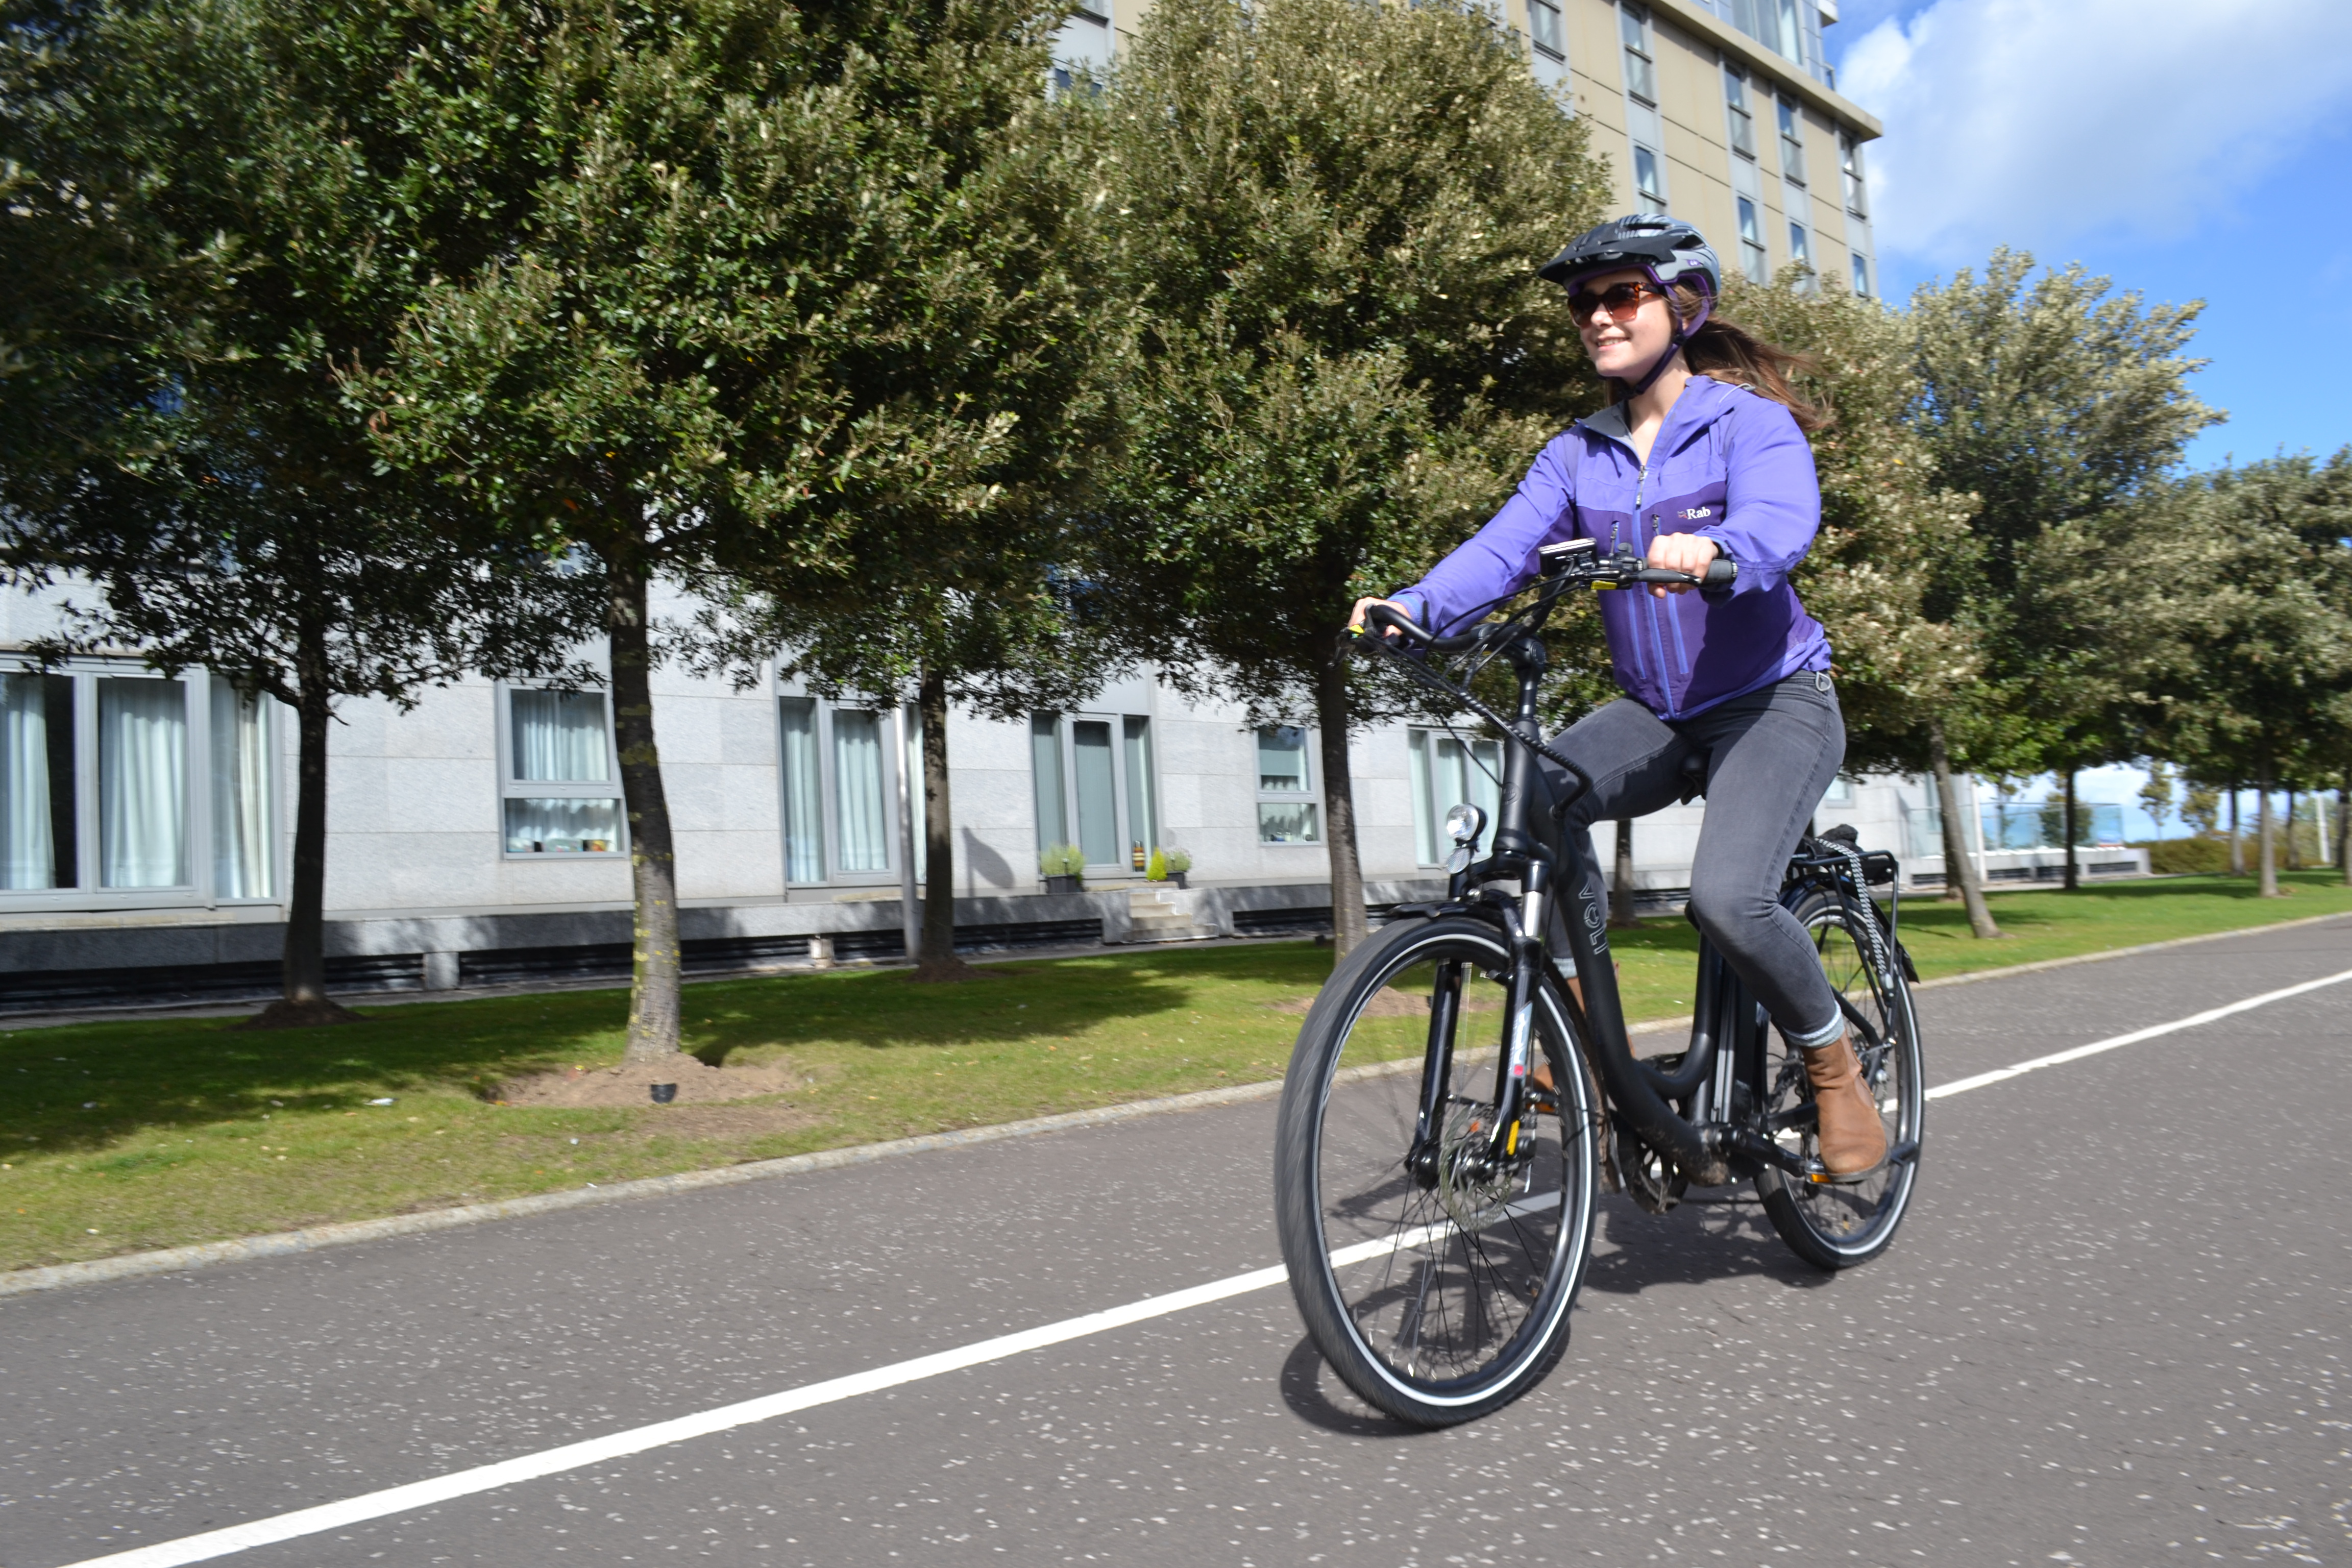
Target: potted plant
<point x="1062" y="867"/>
<point x="1156" y="869"/>
<point x="1177" y="862"/>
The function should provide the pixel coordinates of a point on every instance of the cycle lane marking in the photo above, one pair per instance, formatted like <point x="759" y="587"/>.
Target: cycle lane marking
<point x="315" y="1520"/>
<point x="2117" y="1042"/>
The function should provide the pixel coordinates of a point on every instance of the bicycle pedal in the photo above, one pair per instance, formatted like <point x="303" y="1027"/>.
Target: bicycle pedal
<point x="1820" y="1175"/>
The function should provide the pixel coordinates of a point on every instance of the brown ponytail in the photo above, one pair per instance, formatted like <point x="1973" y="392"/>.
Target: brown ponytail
<point x="1726" y="351"/>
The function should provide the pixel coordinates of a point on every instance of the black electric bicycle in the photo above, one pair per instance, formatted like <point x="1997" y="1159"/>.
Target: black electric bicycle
<point x="1437" y="1222"/>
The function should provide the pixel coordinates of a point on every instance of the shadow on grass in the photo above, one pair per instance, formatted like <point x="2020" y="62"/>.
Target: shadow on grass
<point x="87" y="1085"/>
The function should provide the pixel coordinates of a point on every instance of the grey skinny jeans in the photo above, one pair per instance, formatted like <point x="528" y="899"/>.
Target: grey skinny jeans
<point x="1769" y="757"/>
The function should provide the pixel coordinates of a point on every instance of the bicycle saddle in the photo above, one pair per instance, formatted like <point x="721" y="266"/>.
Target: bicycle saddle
<point x="1694" y="776"/>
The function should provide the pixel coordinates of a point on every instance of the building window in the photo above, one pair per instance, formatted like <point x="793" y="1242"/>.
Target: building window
<point x="1641" y="64"/>
<point x="561" y="770"/>
<point x="1860" y="275"/>
<point x="1735" y="105"/>
<point x="38" y="837"/>
<point x="123" y="784"/>
<point x="841" y="782"/>
<point x="1097" y="787"/>
<point x="245" y="818"/>
<point x="1649" y="180"/>
<point x="1752" y="257"/>
<point x="1840" y="793"/>
<point x="1544" y="28"/>
<point x="1850" y="166"/>
<point x="1800" y="248"/>
<point x="1285" y="782"/>
<point x="1793" y="141"/>
<point x="1447" y="774"/>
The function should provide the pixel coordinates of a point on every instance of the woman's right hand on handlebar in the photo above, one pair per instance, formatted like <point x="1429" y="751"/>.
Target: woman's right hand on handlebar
<point x="1356" y="621"/>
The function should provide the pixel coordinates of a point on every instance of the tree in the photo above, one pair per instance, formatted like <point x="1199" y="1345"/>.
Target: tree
<point x="982" y="567"/>
<point x="2219" y="607"/>
<point x="2051" y="402"/>
<point x="1330" y="219"/>
<point x="698" y="353"/>
<point x="199" y="217"/>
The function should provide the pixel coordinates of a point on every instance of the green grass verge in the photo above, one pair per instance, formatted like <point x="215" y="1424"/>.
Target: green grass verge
<point x="118" y="1137"/>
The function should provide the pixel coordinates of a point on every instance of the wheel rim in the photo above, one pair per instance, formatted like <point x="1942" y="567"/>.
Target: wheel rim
<point x="1447" y="1287"/>
<point x="1854" y="1216"/>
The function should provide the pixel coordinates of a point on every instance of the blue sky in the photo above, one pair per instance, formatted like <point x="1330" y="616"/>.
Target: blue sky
<point x="2188" y="151"/>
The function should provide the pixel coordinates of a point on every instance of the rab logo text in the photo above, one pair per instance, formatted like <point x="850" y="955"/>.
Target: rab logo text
<point x="1697" y="513"/>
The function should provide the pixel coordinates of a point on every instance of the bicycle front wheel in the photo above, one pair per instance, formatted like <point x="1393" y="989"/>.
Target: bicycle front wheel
<point x="1443" y="1292"/>
<point x="1837" y="1226"/>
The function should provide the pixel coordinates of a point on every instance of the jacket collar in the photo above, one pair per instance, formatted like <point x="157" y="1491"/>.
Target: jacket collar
<point x="1703" y="402"/>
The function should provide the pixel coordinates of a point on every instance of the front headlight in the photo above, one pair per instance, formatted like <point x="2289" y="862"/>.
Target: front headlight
<point x="1464" y="823"/>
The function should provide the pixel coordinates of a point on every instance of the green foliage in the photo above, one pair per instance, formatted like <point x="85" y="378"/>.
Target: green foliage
<point x="1178" y="861"/>
<point x="1328" y="219"/>
<point x="1155" y="869"/>
<point x="1061" y="860"/>
<point x="2186" y="857"/>
<point x="2051" y="402"/>
<point x="2216" y="611"/>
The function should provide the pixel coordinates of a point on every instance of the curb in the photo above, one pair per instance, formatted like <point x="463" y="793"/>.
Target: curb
<point x="281" y="1244"/>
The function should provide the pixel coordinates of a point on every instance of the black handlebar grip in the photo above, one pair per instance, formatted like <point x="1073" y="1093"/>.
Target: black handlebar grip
<point x="1720" y="572"/>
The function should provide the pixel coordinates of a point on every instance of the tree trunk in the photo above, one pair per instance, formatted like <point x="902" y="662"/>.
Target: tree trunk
<point x="305" y="1002"/>
<point x="1347" y="924"/>
<point x="1621" y="884"/>
<point x="2266" y="837"/>
<point x="2073" y="865"/>
<point x="2293" y="852"/>
<point x="2344" y="825"/>
<point x="2237" y="844"/>
<point x="655" y="968"/>
<point x="1960" y="869"/>
<point x="938" y="961"/>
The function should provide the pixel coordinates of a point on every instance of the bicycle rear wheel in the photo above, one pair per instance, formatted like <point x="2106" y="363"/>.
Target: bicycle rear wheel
<point x="1838" y="1225"/>
<point x="1442" y="1295"/>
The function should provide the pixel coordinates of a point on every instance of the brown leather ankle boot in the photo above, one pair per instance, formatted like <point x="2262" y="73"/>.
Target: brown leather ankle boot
<point x="1851" y="1136"/>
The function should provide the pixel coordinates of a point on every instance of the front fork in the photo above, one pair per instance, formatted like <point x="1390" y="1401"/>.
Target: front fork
<point x="1524" y="925"/>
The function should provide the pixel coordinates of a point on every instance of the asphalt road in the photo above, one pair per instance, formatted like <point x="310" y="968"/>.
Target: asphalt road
<point x="2113" y="1331"/>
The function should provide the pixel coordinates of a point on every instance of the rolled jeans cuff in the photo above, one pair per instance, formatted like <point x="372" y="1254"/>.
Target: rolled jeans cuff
<point x="1813" y="1039"/>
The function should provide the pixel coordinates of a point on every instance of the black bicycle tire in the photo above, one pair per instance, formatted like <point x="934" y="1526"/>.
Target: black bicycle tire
<point x="1789" y="1217"/>
<point x="1306" y="1092"/>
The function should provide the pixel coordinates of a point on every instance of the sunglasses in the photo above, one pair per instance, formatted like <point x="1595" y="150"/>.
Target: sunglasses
<point x="1623" y="301"/>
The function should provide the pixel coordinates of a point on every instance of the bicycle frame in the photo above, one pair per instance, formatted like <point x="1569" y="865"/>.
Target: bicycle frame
<point x="1713" y="1144"/>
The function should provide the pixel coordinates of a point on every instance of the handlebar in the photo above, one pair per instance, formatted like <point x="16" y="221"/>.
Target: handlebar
<point x="1563" y="568"/>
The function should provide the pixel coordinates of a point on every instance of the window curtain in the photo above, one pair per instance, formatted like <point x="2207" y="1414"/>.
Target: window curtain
<point x="858" y="778"/>
<point x="1447" y="774"/>
<point x="1046" y="774"/>
<point x="559" y="736"/>
<point x="1098" y="793"/>
<point x="28" y="852"/>
<point x="142" y="784"/>
<point x="803" y="799"/>
<point x="562" y="826"/>
<point x="1281" y="759"/>
<point x="244" y="835"/>
<point x="1142" y="809"/>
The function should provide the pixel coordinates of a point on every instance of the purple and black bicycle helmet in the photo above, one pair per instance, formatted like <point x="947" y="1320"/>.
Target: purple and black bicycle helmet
<point x="1666" y="249"/>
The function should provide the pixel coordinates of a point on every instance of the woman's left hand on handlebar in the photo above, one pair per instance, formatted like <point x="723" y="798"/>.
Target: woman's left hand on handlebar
<point x="1680" y="553"/>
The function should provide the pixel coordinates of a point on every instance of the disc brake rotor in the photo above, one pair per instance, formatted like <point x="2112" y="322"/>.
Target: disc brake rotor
<point x="1473" y="1194"/>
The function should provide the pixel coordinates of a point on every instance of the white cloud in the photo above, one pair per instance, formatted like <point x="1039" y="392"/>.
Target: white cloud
<point x="2033" y="122"/>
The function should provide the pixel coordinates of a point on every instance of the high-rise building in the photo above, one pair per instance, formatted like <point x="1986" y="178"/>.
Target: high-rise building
<point x="1725" y="113"/>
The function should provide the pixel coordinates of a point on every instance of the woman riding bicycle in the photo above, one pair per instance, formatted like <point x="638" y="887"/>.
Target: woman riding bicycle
<point x="1701" y="452"/>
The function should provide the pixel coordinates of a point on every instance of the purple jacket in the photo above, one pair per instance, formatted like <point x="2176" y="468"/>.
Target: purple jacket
<point x="1729" y="466"/>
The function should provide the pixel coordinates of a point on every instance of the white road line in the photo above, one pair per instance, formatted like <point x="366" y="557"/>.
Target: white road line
<point x="2117" y="1042"/>
<point x="305" y="1521"/>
